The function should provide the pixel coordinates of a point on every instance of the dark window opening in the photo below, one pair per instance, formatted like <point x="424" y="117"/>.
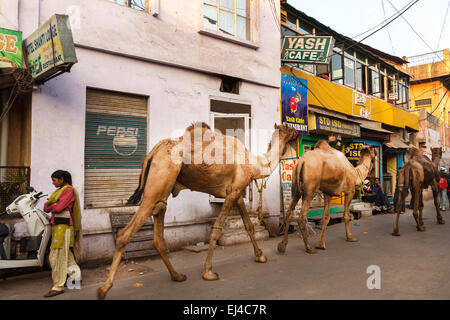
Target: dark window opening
<point x="423" y="102"/>
<point x="230" y="85"/>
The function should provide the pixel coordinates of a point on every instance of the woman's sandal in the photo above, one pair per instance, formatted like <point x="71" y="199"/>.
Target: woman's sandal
<point x="53" y="293"/>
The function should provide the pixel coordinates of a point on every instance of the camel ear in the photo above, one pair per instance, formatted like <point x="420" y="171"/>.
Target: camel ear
<point x="275" y="126"/>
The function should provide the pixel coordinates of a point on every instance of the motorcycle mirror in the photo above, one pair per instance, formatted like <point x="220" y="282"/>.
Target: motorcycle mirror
<point x="30" y="189"/>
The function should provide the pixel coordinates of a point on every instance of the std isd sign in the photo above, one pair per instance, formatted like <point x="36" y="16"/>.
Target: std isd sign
<point x="307" y="49"/>
<point x="50" y="49"/>
<point x="10" y="48"/>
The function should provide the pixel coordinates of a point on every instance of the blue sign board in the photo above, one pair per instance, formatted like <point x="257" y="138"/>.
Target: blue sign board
<point x="294" y="106"/>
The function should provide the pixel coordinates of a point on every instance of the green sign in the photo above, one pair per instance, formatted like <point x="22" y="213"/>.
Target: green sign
<point x="10" y="48"/>
<point x="307" y="49"/>
<point x="50" y="49"/>
<point x="334" y="125"/>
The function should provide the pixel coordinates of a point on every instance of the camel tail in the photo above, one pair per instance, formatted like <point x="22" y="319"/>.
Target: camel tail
<point x="297" y="179"/>
<point x="137" y="195"/>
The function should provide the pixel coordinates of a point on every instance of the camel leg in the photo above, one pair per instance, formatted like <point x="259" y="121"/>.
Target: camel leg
<point x="437" y="204"/>
<point x="417" y="195"/>
<point x="401" y="196"/>
<point x="124" y="237"/>
<point x="302" y="223"/>
<point x="283" y="244"/>
<point x="421" y="210"/>
<point x="159" y="244"/>
<point x="347" y="202"/>
<point x="325" y="221"/>
<point x="259" y="257"/>
<point x="216" y="232"/>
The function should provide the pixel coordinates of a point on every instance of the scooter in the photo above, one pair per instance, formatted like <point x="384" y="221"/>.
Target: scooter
<point x="39" y="230"/>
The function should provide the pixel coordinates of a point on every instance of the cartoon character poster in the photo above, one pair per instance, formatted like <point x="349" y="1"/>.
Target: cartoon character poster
<point x="294" y="107"/>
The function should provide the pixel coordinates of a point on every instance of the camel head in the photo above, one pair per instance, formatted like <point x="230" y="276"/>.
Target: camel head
<point x="436" y="153"/>
<point x="368" y="151"/>
<point x="286" y="133"/>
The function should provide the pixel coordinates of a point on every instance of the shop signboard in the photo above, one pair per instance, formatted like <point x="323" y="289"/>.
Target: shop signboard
<point x="352" y="150"/>
<point x="286" y="168"/>
<point x="294" y="107"/>
<point x="362" y="105"/>
<point x="50" y="49"/>
<point x="10" y="48"/>
<point x="115" y="141"/>
<point x="307" y="49"/>
<point x="334" y="125"/>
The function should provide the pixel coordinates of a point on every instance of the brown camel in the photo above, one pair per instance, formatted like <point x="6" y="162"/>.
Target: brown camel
<point x="223" y="169"/>
<point x="328" y="170"/>
<point x="418" y="173"/>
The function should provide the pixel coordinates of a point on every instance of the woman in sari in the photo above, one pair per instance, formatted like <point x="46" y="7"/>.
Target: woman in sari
<point x="66" y="229"/>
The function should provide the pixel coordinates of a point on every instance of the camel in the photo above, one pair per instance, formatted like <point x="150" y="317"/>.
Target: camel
<point x="328" y="170"/>
<point x="169" y="168"/>
<point x="418" y="173"/>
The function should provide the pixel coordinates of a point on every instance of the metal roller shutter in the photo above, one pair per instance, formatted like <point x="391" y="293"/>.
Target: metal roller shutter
<point x="115" y="146"/>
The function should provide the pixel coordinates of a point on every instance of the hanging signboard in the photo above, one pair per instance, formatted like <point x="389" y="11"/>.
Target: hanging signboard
<point x="327" y="124"/>
<point x="307" y="49"/>
<point x="50" y="49"/>
<point x="10" y="48"/>
<point x="294" y="107"/>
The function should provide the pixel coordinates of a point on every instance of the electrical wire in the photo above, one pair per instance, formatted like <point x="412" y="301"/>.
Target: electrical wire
<point x="437" y="106"/>
<point x="443" y="24"/>
<point x="389" y="33"/>
<point x="417" y="33"/>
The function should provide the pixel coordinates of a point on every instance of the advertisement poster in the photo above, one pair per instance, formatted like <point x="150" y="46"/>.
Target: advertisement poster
<point x="286" y="168"/>
<point x="294" y="106"/>
<point x="10" y="48"/>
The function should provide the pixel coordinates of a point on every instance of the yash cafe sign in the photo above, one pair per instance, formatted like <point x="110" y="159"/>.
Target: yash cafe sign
<point x="307" y="49"/>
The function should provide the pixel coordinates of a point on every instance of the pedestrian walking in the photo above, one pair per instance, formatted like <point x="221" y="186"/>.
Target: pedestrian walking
<point x="66" y="229"/>
<point x="443" y="185"/>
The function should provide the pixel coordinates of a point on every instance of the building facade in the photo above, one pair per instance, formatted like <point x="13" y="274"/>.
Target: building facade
<point x="361" y="95"/>
<point x="430" y="98"/>
<point x="147" y="70"/>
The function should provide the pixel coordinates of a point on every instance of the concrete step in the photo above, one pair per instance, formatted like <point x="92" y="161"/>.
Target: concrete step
<point x="235" y="222"/>
<point x="241" y="236"/>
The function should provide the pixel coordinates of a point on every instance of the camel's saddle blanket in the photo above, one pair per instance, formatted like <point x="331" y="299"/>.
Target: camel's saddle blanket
<point x="141" y="244"/>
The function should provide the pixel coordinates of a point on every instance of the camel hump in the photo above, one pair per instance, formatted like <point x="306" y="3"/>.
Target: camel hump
<point x="198" y="124"/>
<point x="322" y="144"/>
<point x="413" y="152"/>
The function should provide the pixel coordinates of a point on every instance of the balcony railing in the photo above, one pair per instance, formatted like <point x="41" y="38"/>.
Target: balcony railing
<point x="13" y="182"/>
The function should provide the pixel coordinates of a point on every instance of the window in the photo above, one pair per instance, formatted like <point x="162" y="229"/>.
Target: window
<point x="228" y="16"/>
<point x="142" y="5"/>
<point x="374" y="81"/>
<point x="336" y="68"/>
<point x="349" y="72"/>
<point x="360" y="77"/>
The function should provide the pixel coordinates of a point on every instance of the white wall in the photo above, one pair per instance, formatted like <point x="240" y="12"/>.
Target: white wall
<point x="177" y="96"/>
<point x="9" y="13"/>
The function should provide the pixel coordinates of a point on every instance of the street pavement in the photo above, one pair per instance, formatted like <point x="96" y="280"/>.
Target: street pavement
<point x="415" y="265"/>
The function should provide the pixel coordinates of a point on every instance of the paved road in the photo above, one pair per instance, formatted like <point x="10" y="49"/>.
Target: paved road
<point x="415" y="265"/>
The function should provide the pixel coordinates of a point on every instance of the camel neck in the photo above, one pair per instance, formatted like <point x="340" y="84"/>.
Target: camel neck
<point x="362" y="170"/>
<point x="269" y="161"/>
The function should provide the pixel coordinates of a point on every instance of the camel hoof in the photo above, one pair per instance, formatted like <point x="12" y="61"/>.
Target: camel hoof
<point x="442" y="221"/>
<point x="352" y="239"/>
<point x="396" y="234"/>
<point x="101" y="294"/>
<point x="179" y="278"/>
<point x="261" y="259"/>
<point x="311" y="251"/>
<point x="421" y="228"/>
<point x="210" y="276"/>
<point x="281" y="247"/>
<point x="321" y="247"/>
